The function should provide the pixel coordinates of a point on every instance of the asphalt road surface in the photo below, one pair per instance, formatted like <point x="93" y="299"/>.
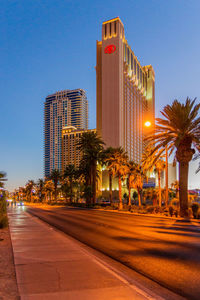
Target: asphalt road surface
<point x="164" y="250"/>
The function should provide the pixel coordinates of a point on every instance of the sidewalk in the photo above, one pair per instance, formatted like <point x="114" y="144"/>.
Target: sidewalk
<point x="49" y="265"/>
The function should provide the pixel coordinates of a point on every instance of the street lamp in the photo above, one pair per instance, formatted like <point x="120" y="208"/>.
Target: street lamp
<point x="147" y="124"/>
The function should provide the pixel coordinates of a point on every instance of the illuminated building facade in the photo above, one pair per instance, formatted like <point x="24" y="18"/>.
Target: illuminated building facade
<point x="64" y="108"/>
<point x="70" y="139"/>
<point x="125" y="92"/>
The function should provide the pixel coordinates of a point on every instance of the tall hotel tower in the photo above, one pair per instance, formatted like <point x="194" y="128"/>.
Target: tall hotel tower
<point x="125" y="92"/>
<point x="64" y="108"/>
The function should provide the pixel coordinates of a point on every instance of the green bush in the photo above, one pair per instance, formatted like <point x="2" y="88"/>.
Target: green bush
<point x="150" y="209"/>
<point x="134" y="208"/>
<point x="158" y="209"/>
<point x="3" y="215"/>
<point x="176" y="213"/>
<point x="171" y="210"/>
<point x="190" y="213"/>
<point x="3" y="221"/>
<point x="195" y="208"/>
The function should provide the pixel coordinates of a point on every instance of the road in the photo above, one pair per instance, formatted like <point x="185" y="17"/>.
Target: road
<point x="164" y="250"/>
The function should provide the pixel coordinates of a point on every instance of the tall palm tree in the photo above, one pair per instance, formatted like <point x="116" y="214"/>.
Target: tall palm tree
<point x="48" y="189"/>
<point x="40" y="189"/>
<point x="150" y="163"/>
<point x="179" y="130"/>
<point x="130" y="172"/>
<point x="29" y="189"/>
<point x="118" y="163"/>
<point x="70" y="173"/>
<point x="137" y="181"/>
<point x="55" y="176"/>
<point x="91" y="146"/>
<point x="106" y="159"/>
<point x="85" y="177"/>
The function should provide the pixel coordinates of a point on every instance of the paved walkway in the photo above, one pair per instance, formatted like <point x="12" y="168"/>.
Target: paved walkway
<point x="50" y="265"/>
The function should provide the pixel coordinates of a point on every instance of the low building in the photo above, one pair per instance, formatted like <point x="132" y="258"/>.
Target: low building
<point x="71" y="155"/>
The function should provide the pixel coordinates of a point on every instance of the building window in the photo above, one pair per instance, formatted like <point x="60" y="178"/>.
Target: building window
<point x="131" y="61"/>
<point x="134" y="66"/>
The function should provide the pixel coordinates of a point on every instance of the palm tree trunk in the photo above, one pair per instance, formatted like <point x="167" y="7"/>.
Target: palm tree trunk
<point x="129" y="193"/>
<point x="55" y="189"/>
<point x="139" y="197"/>
<point x="183" y="187"/>
<point x="120" y="193"/>
<point x="71" y="190"/>
<point x="159" y="186"/>
<point x="110" y="187"/>
<point x="94" y="182"/>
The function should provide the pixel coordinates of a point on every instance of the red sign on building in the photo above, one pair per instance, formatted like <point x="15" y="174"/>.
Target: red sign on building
<point x="110" y="49"/>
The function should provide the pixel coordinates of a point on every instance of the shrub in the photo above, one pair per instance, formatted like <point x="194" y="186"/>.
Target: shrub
<point x="158" y="209"/>
<point x="171" y="210"/>
<point x="150" y="209"/>
<point x="176" y="213"/>
<point x="190" y="213"/>
<point x="195" y="208"/>
<point x="3" y="215"/>
<point x="175" y="202"/>
<point x="3" y="221"/>
<point x="96" y="206"/>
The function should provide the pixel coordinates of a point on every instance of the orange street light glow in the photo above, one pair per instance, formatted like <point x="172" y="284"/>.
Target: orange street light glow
<point x="147" y="124"/>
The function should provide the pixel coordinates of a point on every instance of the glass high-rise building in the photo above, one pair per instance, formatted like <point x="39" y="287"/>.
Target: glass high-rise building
<point x="125" y="92"/>
<point x="61" y="109"/>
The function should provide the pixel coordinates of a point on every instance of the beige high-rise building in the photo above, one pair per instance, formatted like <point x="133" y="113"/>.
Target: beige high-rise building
<point x="125" y="92"/>
<point x="71" y="155"/>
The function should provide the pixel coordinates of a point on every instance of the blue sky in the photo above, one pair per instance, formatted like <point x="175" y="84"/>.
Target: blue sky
<point x="50" y="45"/>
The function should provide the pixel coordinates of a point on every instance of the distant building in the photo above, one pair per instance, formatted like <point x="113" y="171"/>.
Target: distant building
<point x="125" y="92"/>
<point x="70" y="139"/>
<point x="63" y="108"/>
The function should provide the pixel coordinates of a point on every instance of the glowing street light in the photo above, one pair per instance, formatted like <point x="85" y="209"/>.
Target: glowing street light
<point x="147" y="124"/>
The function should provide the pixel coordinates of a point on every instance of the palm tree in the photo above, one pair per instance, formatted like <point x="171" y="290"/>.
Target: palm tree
<point x="85" y="177"/>
<point x="118" y="163"/>
<point x="29" y="189"/>
<point x="48" y="189"/>
<point x="179" y="130"/>
<point x="2" y="178"/>
<point x="137" y="181"/>
<point x="131" y="171"/>
<point x="40" y="189"/>
<point x="70" y="173"/>
<point x="107" y="154"/>
<point x="55" y="177"/>
<point x="91" y="146"/>
<point x="65" y="188"/>
<point x="150" y="163"/>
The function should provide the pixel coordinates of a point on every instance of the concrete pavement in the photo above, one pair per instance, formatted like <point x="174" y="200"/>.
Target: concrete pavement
<point x="50" y="265"/>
